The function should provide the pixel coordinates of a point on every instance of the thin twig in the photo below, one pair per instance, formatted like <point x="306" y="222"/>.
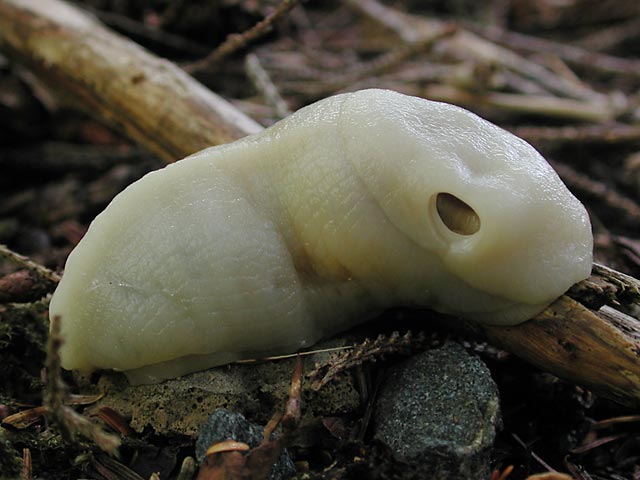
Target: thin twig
<point x="571" y="54"/>
<point x="615" y="421"/>
<point x="56" y="395"/>
<point x="40" y="270"/>
<point x="607" y="196"/>
<point x="292" y="355"/>
<point x="607" y="133"/>
<point x="156" y="35"/>
<point x="606" y="38"/>
<point x="548" y="106"/>
<point x="596" y="443"/>
<point x="263" y="83"/>
<point x="528" y="449"/>
<point x="389" y="17"/>
<point x="466" y="46"/>
<point x="393" y="58"/>
<point x="27" y="467"/>
<point x="237" y="41"/>
<point x="292" y="408"/>
<point x="370" y="351"/>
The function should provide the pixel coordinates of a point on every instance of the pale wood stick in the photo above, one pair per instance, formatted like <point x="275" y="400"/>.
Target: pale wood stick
<point x="598" y="349"/>
<point x="115" y="80"/>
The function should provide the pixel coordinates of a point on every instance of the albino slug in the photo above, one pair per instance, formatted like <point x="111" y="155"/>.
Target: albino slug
<point x="354" y="204"/>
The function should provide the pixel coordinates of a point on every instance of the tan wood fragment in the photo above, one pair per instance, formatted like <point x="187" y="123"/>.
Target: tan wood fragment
<point x="600" y="351"/>
<point x="115" y="80"/>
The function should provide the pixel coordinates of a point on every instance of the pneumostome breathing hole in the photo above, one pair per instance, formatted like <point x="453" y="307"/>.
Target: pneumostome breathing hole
<point x="457" y="215"/>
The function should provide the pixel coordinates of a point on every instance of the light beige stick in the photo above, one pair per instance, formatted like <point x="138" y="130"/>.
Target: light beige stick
<point x="116" y="81"/>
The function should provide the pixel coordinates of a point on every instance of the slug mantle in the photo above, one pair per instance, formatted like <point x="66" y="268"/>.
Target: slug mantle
<point x="354" y="204"/>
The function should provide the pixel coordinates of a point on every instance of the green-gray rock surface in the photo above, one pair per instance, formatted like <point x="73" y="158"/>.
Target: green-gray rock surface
<point x="440" y="409"/>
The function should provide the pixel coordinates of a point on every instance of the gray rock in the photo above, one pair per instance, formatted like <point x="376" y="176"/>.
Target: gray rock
<point x="440" y="409"/>
<point x="224" y="425"/>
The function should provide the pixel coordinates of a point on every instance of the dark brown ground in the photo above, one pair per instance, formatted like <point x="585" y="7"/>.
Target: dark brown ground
<point x="58" y="169"/>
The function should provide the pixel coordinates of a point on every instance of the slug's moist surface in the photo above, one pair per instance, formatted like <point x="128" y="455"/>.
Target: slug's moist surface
<point x="354" y="204"/>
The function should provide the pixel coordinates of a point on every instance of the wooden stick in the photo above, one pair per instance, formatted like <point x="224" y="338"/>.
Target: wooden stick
<point x="586" y="58"/>
<point x="599" y="349"/>
<point x="115" y="80"/>
<point x="467" y="45"/>
<point x="238" y="41"/>
<point x="596" y="350"/>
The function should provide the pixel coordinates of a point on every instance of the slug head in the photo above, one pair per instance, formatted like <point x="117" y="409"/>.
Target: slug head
<point x="482" y="201"/>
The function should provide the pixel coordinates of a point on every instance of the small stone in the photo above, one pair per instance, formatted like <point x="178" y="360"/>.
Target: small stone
<point x="224" y="425"/>
<point x="440" y="410"/>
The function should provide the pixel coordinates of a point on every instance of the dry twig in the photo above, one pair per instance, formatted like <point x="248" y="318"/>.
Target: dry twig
<point x="39" y="270"/>
<point x="56" y="394"/>
<point x="595" y="350"/>
<point x="260" y="78"/>
<point x="579" y="56"/>
<point x="237" y="41"/>
<point x="547" y="106"/>
<point x="27" y="467"/>
<point x="292" y="409"/>
<point x="626" y="208"/>
<point x="370" y="351"/>
<point x="467" y="46"/>
<point x="115" y="80"/>
<point x="615" y="133"/>
<point x="391" y="59"/>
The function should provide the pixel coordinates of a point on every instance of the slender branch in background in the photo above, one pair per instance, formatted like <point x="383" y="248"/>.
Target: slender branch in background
<point x="468" y="46"/>
<point x="115" y="80"/>
<point x="608" y="133"/>
<point x="393" y="58"/>
<point x="547" y="106"/>
<point x="237" y="41"/>
<point x="580" y="182"/>
<point x="576" y="55"/>
<point x="394" y="20"/>
<point x="263" y="84"/>
<point x="610" y="37"/>
<point x="140" y="30"/>
<point x="25" y="262"/>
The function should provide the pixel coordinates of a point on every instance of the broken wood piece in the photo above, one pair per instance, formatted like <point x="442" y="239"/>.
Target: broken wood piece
<point x="606" y="286"/>
<point x="598" y="350"/>
<point x="116" y="81"/>
<point x="466" y="45"/>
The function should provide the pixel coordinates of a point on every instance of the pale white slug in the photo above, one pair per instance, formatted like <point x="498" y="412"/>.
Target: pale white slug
<point x="356" y="203"/>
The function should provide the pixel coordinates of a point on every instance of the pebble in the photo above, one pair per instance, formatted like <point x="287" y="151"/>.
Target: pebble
<point x="224" y="425"/>
<point x="439" y="410"/>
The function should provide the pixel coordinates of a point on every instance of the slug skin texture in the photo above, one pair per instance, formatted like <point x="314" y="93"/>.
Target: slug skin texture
<point x="354" y="204"/>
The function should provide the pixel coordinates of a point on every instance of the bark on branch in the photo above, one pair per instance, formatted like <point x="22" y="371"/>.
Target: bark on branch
<point x="162" y="108"/>
<point x="115" y="80"/>
<point x="598" y="349"/>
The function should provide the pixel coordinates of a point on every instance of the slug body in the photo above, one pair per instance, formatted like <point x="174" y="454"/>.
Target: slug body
<point x="354" y="204"/>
